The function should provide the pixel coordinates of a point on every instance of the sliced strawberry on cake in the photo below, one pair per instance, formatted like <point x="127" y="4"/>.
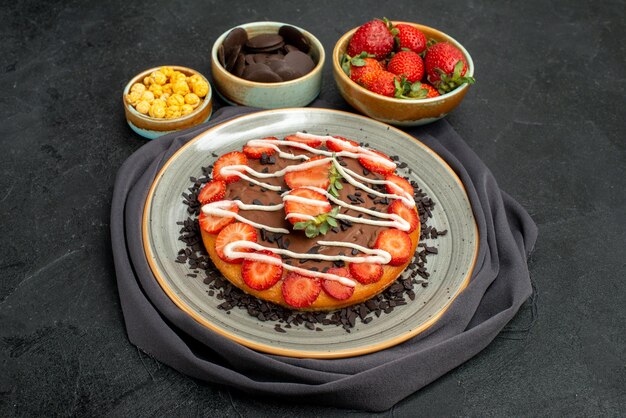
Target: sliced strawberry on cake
<point x="214" y="223"/>
<point x="256" y="151"/>
<point x="212" y="191"/>
<point x="335" y="289"/>
<point x="227" y="160"/>
<point x="237" y="231"/>
<point x="261" y="275"/>
<point x="311" y="142"/>
<point x="379" y="163"/>
<point x="300" y="291"/>
<point x="302" y="205"/>
<point x="397" y="243"/>
<point x="399" y="184"/>
<point x="316" y="176"/>
<point x="406" y="213"/>
<point x="366" y="273"/>
<point x="341" y="144"/>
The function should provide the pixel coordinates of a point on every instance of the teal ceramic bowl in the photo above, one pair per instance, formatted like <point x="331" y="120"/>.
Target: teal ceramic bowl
<point x="293" y="93"/>
<point x="152" y="128"/>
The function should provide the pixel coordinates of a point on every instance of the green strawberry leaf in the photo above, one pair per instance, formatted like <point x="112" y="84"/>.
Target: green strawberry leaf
<point x="335" y="180"/>
<point x="320" y="225"/>
<point x="300" y="225"/>
<point x="345" y="64"/>
<point x="311" y="231"/>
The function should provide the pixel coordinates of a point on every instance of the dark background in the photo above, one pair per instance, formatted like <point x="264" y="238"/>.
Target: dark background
<point x="546" y="115"/>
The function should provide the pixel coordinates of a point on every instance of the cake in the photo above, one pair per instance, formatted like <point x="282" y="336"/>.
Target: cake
<point x="309" y="222"/>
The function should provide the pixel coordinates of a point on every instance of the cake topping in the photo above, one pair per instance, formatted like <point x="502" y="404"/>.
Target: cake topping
<point x="261" y="275"/>
<point x="212" y="191"/>
<point x="314" y="204"/>
<point x="236" y="159"/>
<point x="236" y="234"/>
<point x="300" y="291"/>
<point x="335" y="289"/>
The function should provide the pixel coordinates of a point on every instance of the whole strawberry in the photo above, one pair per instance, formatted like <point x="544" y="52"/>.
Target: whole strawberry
<point x="446" y="67"/>
<point x="386" y="84"/>
<point x="361" y="66"/>
<point x="374" y="37"/>
<point x="409" y="37"/>
<point x="408" y="64"/>
<point x="431" y="91"/>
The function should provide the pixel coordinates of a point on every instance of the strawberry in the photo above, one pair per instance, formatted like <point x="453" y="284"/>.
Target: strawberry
<point x="411" y="38"/>
<point x="446" y="67"/>
<point x="334" y="288"/>
<point x="256" y="152"/>
<point x="237" y="231"/>
<point x="317" y="176"/>
<point x="386" y="84"/>
<point x="406" y="213"/>
<point x="212" y="191"/>
<point x="374" y="37"/>
<point x="369" y="78"/>
<point x="293" y="206"/>
<point x="259" y="275"/>
<point x="400" y="182"/>
<point x="313" y="143"/>
<point x="362" y="67"/>
<point x="366" y="273"/>
<point x="397" y="243"/>
<point x="376" y="166"/>
<point x="300" y="291"/>
<point x="431" y="91"/>
<point x="417" y="90"/>
<point x="338" y="146"/>
<point x="214" y="224"/>
<point x="408" y="64"/>
<point x="232" y="158"/>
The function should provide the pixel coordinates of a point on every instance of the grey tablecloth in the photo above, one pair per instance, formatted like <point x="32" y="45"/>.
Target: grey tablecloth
<point x="499" y="285"/>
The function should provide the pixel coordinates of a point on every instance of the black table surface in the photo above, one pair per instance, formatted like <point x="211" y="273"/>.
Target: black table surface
<point x="546" y="115"/>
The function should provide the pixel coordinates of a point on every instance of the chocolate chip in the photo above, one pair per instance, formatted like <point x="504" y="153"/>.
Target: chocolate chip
<point x="284" y="70"/>
<point x="264" y="41"/>
<point x="220" y="55"/>
<point x="300" y="61"/>
<point x="294" y="37"/>
<point x="261" y="73"/>
<point x="240" y="65"/>
<point x="236" y="37"/>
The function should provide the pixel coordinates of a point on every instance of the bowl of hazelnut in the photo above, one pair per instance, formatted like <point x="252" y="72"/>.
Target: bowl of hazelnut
<point x="165" y="99"/>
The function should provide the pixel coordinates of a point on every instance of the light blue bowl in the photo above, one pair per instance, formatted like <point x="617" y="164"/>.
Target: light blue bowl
<point x="294" y="93"/>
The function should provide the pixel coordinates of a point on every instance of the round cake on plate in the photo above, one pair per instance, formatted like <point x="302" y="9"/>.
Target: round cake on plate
<point x="309" y="222"/>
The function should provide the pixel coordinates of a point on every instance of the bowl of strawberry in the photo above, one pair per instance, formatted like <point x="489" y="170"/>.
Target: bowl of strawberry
<point x="401" y="73"/>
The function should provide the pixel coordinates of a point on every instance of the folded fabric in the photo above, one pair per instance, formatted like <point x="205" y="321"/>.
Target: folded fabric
<point x="498" y="287"/>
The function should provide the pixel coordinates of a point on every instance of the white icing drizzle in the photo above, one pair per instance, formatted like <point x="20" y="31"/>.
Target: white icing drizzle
<point x="306" y="200"/>
<point x="219" y="208"/>
<point x="349" y="176"/>
<point x="397" y="221"/>
<point x="376" y="256"/>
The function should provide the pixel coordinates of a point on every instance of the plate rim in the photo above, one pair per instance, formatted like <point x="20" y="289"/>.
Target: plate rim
<point x="288" y="352"/>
